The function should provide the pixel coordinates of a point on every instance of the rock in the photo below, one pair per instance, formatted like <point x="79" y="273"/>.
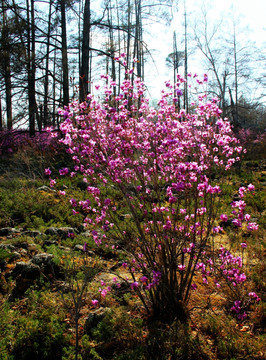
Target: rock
<point x="26" y="270"/>
<point x="23" y="252"/>
<point x="45" y="262"/>
<point x="3" y="284"/>
<point x="22" y="245"/>
<point x="80" y="228"/>
<point x="16" y="255"/>
<point x="64" y="248"/>
<point x="63" y="287"/>
<point x="25" y="274"/>
<point x="86" y="233"/>
<point x="2" y="265"/>
<point x="32" y="233"/>
<point x="94" y="318"/>
<point x="82" y="185"/>
<point x="78" y="248"/>
<point x="46" y="189"/>
<point x="62" y="232"/>
<point x="123" y="217"/>
<point x="8" y="231"/>
<point x="51" y="231"/>
<point x="236" y="197"/>
<point x="8" y="247"/>
<point x="41" y="259"/>
<point x="49" y="243"/>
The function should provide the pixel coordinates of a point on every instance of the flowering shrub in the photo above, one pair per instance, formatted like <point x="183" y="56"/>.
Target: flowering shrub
<point x="167" y="166"/>
<point x="13" y="140"/>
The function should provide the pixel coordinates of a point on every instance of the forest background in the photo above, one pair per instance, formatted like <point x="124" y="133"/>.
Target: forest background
<point x="55" y="51"/>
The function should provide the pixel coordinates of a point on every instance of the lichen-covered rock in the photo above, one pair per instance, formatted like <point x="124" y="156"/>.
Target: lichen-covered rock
<point x="94" y="318"/>
<point x="26" y="270"/>
<point x="62" y="232"/>
<point x="8" y="231"/>
<point x="46" y="189"/>
<point x="8" y="247"/>
<point x="32" y="233"/>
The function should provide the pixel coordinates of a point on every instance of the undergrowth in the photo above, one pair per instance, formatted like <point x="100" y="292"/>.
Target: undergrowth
<point x="39" y="325"/>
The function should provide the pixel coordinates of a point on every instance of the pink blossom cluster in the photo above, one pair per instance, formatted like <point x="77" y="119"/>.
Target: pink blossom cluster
<point x="226" y="266"/>
<point x="240" y="308"/>
<point x="159" y="161"/>
<point x="238" y="211"/>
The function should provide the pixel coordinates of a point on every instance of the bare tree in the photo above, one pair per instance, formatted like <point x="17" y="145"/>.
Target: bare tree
<point x="6" y="65"/>
<point x="85" y="53"/>
<point x="64" y="53"/>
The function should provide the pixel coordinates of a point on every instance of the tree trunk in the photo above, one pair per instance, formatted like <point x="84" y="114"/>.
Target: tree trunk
<point x="7" y="68"/>
<point x="236" y="80"/>
<point x="47" y="60"/>
<point x="1" y="119"/>
<point x="31" y="65"/>
<point x="185" y="67"/>
<point x="64" y="54"/>
<point x="85" y="52"/>
<point x="128" y="30"/>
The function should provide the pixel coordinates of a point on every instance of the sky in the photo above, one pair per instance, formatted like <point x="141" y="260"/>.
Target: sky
<point x="250" y="22"/>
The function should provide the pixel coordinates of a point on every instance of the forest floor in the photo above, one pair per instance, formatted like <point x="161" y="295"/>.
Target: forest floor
<point x="43" y="304"/>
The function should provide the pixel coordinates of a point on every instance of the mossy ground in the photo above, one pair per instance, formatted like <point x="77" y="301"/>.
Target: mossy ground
<point x="41" y="323"/>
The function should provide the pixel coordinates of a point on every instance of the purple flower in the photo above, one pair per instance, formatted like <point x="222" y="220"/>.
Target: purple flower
<point x="251" y="187"/>
<point x="134" y="285"/>
<point x="252" y="226"/>
<point x="94" y="302"/>
<point x="224" y="217"/>
<point x="52" y="183"/>
<point x="63" y="171"/>
<point x="181" y="267"/>
<point x="194" y="286"/>
<point x="47" y="171"/>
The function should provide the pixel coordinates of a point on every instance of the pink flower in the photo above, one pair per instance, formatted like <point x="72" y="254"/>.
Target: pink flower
<point x="52" y="183"/>
<point x="252" y="226"/>
<point x="103" y="292"/>
<point x="181" y="267"/>
<point x="94" y="302"/>
<point x="251" y="187"/>
<point x="63" y="171"/>
<point x="247" y="217"/>
<point x="254" y="296"/>
<point x="243" y="245"/>
<point x="144" y="279"/>
<point x="47" y="171"/>
<point x="224" y="217"/>
<point x="134" y="285"/>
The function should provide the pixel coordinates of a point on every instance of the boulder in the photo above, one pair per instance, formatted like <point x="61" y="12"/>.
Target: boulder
<point x="8" y="247"/>
<point x="8" y="231"/>
<point x="26" y="270"/>
<point x="46" y="189"/>
<point x="94" y="318"/>
<point x="25" y="274"/>
<point x="48" y="268"/>
<point x="32" y="233"/>
<point x="62" y="232"/>
<point x="49" y="243"/>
